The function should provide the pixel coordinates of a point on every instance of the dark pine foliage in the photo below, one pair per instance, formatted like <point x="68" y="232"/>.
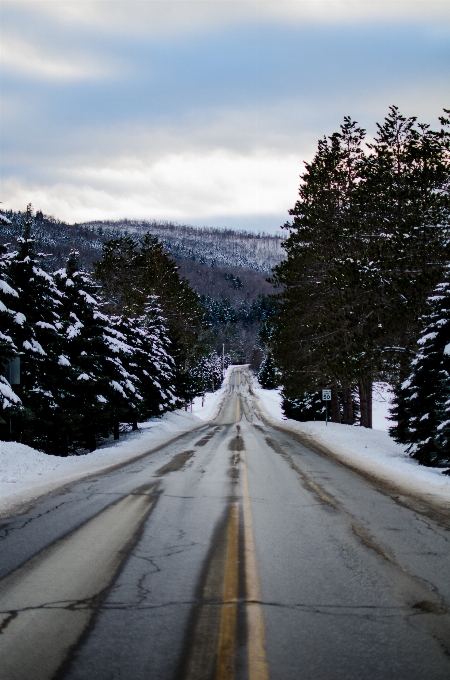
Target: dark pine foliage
<point x="422" y="402"/>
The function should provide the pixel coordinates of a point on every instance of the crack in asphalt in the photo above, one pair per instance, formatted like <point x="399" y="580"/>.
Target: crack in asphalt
<point x="423" y="607"/>
<point x="6" y="530"/>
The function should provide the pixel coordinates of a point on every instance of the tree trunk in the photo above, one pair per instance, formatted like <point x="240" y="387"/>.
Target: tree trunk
<point x="347" y="402"/>
<point x="365" y="401"/>
<point x="134" y="425"/>
<point x="64" y="446"/>
<point x="335" y="410"/>
<point x="116" y="428"/>
<point x="91" y="444"/>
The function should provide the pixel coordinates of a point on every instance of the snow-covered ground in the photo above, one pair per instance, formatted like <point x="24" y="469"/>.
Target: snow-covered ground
<point x="26" y="473"/>
<point x="371" y="451"/>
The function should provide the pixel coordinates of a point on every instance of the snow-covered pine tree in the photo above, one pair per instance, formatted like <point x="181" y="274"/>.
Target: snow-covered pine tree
<point x="36" y="335"/>
<point x="208" y="372"/>
<point x="308" y="406"/>
<point x="150" y="363"/>
<point x="100" y="387"/>
<point x="10" y="402"/>
<point x="421" y="405"/>
<point x="267" y="375"/>
<point x="131" y="269"/>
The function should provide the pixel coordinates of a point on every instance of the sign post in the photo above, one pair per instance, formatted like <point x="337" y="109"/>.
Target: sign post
<point x="326" y="397"/>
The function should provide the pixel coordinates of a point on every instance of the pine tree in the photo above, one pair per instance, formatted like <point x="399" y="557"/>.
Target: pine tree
<point x="405" y="200"/>
<point x="131" y="270"/>
<point x="208" y="372"/>
<point x="100" y="389"/>
<point x="267" y="375"/>
<point x="10" y="401"/>
<point x="421" y="405"/>
<point x="369" y="239"/>
<point x="36" y="336"/>
<point x="321" y="331"/>
<point x="308" y="406"/>
<point x="150" y="364"/>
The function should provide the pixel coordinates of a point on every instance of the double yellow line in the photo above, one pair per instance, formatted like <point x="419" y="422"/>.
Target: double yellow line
<point x="256" y="659"/>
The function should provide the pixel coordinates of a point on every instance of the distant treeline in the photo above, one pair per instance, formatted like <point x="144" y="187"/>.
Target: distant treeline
<point x="204" y="245"/>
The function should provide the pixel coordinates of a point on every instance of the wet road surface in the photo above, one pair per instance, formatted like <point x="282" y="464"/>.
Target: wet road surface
<point x="233" y="552"/>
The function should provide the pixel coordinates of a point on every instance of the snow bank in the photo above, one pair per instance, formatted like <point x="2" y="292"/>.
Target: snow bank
<point x="26" y="474"/>
<point x="370" y="451"/>
<point x="212" y="401"/>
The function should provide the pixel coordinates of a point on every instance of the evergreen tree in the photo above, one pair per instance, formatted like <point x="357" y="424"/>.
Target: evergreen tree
<point x="8" y="350"/>
<point x="36" y="335"/>
<point x="369" y="239"/>
<point x="131" y="270"/>
<point x="150" y="362"/>
<point x="405" y="200"/>
<point x="308" y="406"/>
<point x="208" y="371"/>
<point x="421" y="405"/>
<point x="267" y="375"/>
<point x="320" y="332"/>
<point x="99" y="390"/>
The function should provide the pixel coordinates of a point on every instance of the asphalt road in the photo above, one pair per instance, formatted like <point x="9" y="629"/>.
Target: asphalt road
<point x="234" y="552"/>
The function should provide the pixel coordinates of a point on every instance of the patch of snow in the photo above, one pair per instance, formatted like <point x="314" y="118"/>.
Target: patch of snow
<point x="19" y="318"/>
<point x="5" y="288"/>
<point x="7" y="393"/>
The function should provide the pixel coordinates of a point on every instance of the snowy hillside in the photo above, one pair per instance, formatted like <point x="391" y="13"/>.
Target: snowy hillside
<point x="212" y="247"/>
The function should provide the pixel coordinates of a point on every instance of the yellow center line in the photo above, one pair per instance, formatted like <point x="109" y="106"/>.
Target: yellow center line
<point x="238" y="409"/>
<point x="257" y="664"/>
<point x="228" y="621"/>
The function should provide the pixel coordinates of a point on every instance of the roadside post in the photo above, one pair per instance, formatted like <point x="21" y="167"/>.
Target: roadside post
<point x="326" y="397"/>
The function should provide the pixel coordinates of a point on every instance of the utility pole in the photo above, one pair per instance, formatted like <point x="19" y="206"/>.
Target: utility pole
<point x="223" y="359"/>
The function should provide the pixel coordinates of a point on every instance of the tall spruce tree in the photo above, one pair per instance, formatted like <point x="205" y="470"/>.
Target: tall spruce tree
<point x="37" y="335"/>
<point x="405" y="200"/>
<point x="99" y="389"/>
<point x="150" y="363"/>
<point x="320" y="339"/>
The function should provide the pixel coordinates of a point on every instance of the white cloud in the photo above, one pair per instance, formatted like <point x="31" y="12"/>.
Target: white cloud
<point x="20" y="55"/>
<point x="175" y="187"/>
<point x="167" y="17"/>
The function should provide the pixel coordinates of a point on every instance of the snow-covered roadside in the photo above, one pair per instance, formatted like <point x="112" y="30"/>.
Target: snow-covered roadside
<point x="370" y="451"/>
<point x="26" y="474"/>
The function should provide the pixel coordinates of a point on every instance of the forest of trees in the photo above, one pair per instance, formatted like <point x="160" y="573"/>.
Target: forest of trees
<point x="367" y="246"/>
<point x="112" y="333"/>
<point x="97" y="351"/>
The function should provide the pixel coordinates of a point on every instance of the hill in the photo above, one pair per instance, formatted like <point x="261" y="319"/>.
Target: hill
<point x="229" y="269"/>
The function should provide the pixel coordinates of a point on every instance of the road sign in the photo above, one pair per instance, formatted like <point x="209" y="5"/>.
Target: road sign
<point x="326" y="395"/>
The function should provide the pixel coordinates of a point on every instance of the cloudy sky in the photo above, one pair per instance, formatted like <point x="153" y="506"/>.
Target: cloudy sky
<point x="200" y="112"/>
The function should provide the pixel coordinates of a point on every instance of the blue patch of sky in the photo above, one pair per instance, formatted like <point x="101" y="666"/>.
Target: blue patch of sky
<point x="246" y="66"/>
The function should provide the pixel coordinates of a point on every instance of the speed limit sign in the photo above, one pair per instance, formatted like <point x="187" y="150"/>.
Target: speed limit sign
<point x="326" y="395"/>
